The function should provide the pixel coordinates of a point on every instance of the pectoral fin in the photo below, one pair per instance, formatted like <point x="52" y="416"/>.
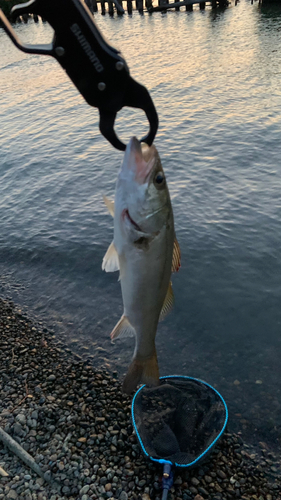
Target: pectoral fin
<point x="123" y="329"/>
<point x="110" y="261"/>
<point x="168" y="302"/>
<point x="110" y="205"/>
<point x="176" y="262"/>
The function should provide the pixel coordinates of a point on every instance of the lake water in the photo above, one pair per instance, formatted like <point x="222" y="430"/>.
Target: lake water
<point x="215" y="78"/>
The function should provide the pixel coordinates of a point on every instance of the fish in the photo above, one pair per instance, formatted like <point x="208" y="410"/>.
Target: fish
<point x="145" y="251"/>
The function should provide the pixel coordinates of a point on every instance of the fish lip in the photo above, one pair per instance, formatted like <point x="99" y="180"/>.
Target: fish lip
<point x="135" y="162"/>
<point x="125" y="213"/>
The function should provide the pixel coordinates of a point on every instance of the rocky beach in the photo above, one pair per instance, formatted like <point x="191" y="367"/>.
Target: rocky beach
<point x="75" y="424"/>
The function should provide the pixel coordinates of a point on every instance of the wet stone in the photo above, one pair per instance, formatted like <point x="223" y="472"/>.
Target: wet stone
<point x="84" y="490"/>
<point x="66" y="490"/>
<point x="21" y="419"/>
<point x="18" y="429"/>
<point x="208" y="479"/>
<point x="193" y="490"/>
<point x="123" y="495"/>
<point x="178" y="480"/>
<point x="195" y="481"/>
<point x="142" y="483"/>
<point x="202" y="491"/>
<point x="221" y="474"/>
<point x="12" y="495"/>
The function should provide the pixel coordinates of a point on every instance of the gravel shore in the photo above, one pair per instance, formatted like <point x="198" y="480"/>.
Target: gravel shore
<point x="76" y="424"/>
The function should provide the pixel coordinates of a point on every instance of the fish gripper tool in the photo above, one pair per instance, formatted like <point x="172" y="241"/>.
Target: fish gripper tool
<point x="98" y="70"/>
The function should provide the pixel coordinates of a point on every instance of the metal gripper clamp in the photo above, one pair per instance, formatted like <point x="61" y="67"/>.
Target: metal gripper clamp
<point x="98" y="70"/>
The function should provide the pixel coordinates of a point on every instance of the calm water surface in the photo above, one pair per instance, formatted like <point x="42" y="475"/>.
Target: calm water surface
<point x="215" y="78"/>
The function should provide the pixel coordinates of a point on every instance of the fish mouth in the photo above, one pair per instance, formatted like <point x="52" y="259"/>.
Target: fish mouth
<point x="126" y="214"/>
<point x="139" y="159"/>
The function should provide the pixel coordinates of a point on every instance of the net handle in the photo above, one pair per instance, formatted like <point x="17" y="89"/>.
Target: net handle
<point x="167" y="480"/>
<point x="165" y="494"/>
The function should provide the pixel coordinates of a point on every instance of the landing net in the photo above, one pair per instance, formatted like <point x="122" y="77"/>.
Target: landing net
<point x="179" y="421"/>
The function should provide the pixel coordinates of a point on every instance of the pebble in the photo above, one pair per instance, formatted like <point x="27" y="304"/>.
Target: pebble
<point x="84" y="490"/>
<point x="142" y="483"/>
<point x="21" y="419"/>
<point x="123" y="495"/>
<point x="195" y="481"/>
<point x="12" y="494"/>
<point x="193" y="490"/>
<point x="145" y="496"/>
<point x="203" y="491"/>
<point x="221" y="474"/>
<point x="178" y="480"/>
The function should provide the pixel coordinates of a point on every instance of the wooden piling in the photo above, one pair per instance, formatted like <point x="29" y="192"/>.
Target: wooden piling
<point x="110" y="8"/>
<point x="102" y="2"/>
<point x="119" y="11"/>
<point x="173" y="5"/>
<point x="130" y="6"/>
<point x="202" y="5"/>
<point x="163" y="3"/>
<point x="35" y="18"/>
<point x="139" y="6"/>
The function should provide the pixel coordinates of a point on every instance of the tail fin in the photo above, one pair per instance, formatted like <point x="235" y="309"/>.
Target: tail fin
<point x="145" y="372"/>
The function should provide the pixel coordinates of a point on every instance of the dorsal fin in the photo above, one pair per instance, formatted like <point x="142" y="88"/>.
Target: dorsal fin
<point x="168" y="302"/>
<point x="110" y="262"/>
<point x="110" y="205"/>
<point x="176" y="262"/>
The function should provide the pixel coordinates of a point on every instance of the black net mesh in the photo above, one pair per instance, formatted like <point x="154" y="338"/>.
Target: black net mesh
<point x="178" y="420"/>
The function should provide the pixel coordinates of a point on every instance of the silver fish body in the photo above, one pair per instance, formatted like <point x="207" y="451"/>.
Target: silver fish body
<point x="143" y="250"/>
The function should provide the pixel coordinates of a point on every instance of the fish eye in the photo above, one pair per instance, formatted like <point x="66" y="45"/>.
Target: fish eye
<point x="159" y="180"/>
